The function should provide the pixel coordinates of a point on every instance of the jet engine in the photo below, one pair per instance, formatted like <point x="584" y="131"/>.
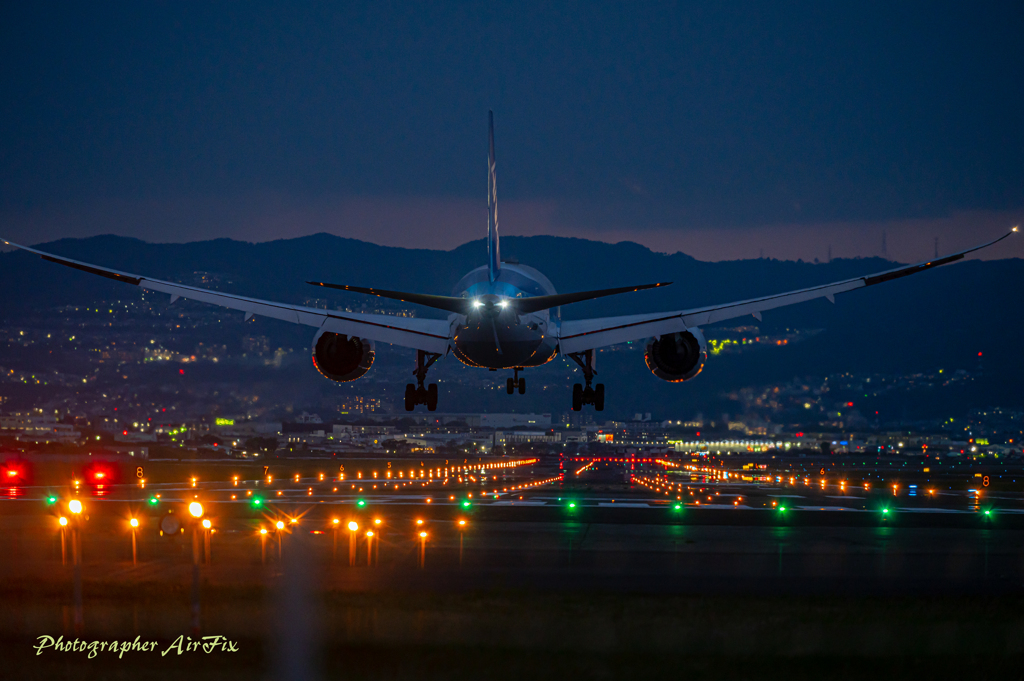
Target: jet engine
<point x="677" y="357"/>
<point x="340" y="357"/>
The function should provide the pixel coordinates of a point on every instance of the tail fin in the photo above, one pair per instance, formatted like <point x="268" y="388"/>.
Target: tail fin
<point x="493" y="253"/>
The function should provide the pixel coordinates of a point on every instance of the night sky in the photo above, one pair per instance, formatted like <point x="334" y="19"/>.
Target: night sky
<point x="722" y="131"/>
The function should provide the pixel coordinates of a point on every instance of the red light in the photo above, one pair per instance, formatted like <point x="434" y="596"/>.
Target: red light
<point x="181" y="371"/>
<point x="979" y="354"/>
<point x="11" y="473"/>
<point x="100" y="475"/>
<point x="124" y="432"/>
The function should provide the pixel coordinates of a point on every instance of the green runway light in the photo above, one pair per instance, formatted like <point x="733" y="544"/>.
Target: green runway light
<point x="782" y="508"/>
<point x="465" y="504"/>
<point x="361" y="503"/>
<point x="885" y="511"/>
<point x="51" y="500"/>
<point x="256" y="501"/>
<point x="678" y="507"/>
<point x="988" y="512"/>
<point x="572" y="504"/>
<point x="154" y="501"/>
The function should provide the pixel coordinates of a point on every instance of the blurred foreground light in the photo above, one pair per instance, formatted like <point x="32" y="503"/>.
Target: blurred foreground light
<point x="263" y="530"/>
<point x="377" y="521"/>
<point x="280" y="525"/>
<point x="206" y="523"/>
<point x="294" y="520"/>
<point x="63" y="521"/>
<point x="335" y="521"/>
<point x="423" y="535"/>
<point x="353" y="525"/>
<point x="75" y="506"/>
<point x="134" y="522"/>
<point x="196" y="509"/>
<point x="369" y="533"/>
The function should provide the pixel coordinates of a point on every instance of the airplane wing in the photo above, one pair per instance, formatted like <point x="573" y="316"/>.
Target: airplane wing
<point x="586" y="334"/>
<point x="422" y="334"/>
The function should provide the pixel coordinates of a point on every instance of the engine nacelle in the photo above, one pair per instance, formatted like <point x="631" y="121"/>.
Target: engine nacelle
<point x="340" y="357"/>
<point x="677" y="357"/>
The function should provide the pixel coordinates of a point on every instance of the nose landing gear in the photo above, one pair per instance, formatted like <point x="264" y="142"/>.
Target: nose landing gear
<point x="420" y="394"/>
<point x="516" y="382"/>
<point x="587" y="395"/>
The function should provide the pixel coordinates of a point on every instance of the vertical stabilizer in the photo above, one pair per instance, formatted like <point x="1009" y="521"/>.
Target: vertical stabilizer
<point x="493" y="253"/>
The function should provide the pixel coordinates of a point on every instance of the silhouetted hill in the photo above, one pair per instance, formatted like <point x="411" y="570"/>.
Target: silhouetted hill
<point x="941" y="318"/>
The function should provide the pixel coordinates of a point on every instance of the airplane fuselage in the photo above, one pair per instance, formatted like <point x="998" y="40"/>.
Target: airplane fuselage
<point x="493" y="336"/>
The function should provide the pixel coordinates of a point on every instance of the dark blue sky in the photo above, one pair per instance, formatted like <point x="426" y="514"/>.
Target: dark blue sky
<point x="178" y="121"/>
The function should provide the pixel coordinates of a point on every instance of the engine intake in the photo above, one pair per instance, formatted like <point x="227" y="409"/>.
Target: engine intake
<point x="677" y="357"/>
<point x="340" y="357"/>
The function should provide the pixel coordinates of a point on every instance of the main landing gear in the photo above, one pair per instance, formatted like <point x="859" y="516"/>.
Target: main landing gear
<point x="516" y="382"/>
<point x="587" y="395"/>
<point x="418" y="394"/>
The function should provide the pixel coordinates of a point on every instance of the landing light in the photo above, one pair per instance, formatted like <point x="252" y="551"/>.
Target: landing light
<point x="477" y="303"/>
<point x="503" y="303"/>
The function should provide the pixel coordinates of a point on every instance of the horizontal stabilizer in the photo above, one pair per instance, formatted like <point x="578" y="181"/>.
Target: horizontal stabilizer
<point x="463" y="305"/>
<point x="447" y="303"/>
<point x="538" y="303"/>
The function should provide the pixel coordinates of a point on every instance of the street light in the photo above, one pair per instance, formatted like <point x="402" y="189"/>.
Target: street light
<point x="134" y="523"/>
<point x="75" y="506"/>
<point x="353" y="527"/>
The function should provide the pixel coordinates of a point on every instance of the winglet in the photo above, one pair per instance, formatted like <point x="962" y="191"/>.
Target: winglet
<point x="493" y="252"/>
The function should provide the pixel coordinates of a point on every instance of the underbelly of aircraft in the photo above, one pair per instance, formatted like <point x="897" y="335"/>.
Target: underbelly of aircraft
<point x="502" y="346"/>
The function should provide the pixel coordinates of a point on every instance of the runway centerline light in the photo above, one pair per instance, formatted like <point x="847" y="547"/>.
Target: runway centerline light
<point x="195" y="509"/>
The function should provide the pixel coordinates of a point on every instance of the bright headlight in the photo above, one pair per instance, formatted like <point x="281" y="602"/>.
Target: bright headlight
<point x="477" y="303"/>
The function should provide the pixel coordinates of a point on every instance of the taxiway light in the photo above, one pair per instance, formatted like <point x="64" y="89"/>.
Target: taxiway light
<point x="75" y="506"/>
<point x="154" y="501"/>
<point x="465" y="504"/>
<point x="572" y="504"/>
<point x="51" y="500"/>
<point x="678" y="507"/>
<point x="256" y="501"/>
<point x="988" y="512"/>
<point x="361" y="502"/>
<point x="353" y="525"/>
<point x="63" y="521"/>
<point x="196" y="509"/>
<point x="280" y="525"/>
<point x="134" y="522"/>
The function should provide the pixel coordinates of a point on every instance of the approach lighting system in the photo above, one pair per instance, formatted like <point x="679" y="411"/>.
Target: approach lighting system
<point x="195" y="509"/>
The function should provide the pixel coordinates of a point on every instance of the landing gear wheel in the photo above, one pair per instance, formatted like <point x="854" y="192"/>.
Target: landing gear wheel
<point x="432" y="397"/>
<point x="599" y="397"/>
<point x="410" y="397"/>
<point x="522" y="386"/>
<point x="577" y="397"/>
<point x="510" y="386"/>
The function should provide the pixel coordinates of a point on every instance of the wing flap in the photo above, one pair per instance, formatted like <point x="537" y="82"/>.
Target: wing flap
<point x="586" y="334"/>
<point x="422" y="334"/>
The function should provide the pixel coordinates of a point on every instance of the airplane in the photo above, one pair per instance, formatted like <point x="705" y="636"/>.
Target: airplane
<point x="504" y="315"/>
